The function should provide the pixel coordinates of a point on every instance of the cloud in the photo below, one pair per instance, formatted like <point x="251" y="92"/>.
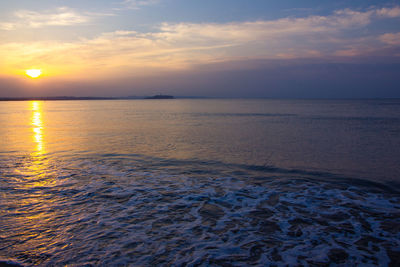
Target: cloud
<point x="7" y="26"/>
<point x="390" y="38"/>
<point x="62" y="16"/>
<point x="182" y="45"/>
<point x="389" y="12"/>
<point x="255" y="30"/>
<point x="311" y="36"/>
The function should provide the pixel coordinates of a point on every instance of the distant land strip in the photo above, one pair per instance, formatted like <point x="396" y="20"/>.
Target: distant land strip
<point x="52" y="98"/>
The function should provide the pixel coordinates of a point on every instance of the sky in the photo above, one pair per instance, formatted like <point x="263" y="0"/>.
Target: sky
<point x="214" y="48"/>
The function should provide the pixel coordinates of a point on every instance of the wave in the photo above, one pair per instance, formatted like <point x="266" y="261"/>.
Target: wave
<point x="119" y="209"/>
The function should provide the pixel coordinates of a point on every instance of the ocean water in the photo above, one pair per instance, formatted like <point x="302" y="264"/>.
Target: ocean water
<point x="205" y="182"/>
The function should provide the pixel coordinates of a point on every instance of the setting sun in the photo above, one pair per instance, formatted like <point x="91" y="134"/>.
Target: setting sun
<point x="33" y="73"/>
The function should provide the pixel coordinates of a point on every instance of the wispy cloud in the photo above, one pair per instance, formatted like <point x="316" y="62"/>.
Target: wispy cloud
<point x="391" y="38"/>
<point x="389" y="12"/>
<point x="180" y="45"/>
<point x="312" y="36"/>
<point x="246" y="31"/>
<point x="7" y="26"/>
<point x="62" y="16"/>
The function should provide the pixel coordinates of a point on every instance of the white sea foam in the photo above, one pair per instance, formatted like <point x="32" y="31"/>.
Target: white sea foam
<point x="108" y="213"/>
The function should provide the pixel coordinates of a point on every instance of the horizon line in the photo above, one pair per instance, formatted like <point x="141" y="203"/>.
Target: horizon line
<point x="71" y="98"/>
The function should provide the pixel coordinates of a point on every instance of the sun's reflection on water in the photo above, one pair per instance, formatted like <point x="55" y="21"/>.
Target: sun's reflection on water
<point x="37" y="124"/>
<point x="31" y="228"/>
<point x="39" y="167"/>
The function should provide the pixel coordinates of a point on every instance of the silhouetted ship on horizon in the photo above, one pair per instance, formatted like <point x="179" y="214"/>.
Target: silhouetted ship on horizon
<point x="160" y="97"/>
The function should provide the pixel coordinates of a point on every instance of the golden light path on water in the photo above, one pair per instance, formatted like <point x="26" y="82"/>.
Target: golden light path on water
<point x="32" y="231"/>
<point x="39" y="167"/>
<point x="37" y="124"/>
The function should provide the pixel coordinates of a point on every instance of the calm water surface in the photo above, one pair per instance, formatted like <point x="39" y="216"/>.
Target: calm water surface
<point x="200" y="182"/>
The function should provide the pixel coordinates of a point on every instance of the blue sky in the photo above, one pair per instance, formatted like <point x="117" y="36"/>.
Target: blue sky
<point x="229" y="48"/>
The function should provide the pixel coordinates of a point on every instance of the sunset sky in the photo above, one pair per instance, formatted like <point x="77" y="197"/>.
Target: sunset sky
<point x="232" y="48"/>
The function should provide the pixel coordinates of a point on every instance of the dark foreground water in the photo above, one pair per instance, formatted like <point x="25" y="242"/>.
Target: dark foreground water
<point x="200" y="182"/>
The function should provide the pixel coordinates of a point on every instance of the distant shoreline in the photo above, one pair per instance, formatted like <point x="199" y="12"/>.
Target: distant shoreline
<point x="54" y="98"/>
<point x="60" y="98"/>
<point x="69" y="98"/>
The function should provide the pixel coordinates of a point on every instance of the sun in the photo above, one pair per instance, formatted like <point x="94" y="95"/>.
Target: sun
<point x="33" y="73"/>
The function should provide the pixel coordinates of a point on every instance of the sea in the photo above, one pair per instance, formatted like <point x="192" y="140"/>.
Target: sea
<point x="200" y="182"/>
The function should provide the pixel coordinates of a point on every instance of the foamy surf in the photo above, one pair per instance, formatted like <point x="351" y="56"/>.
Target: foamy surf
<point x="121" y="209"/>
